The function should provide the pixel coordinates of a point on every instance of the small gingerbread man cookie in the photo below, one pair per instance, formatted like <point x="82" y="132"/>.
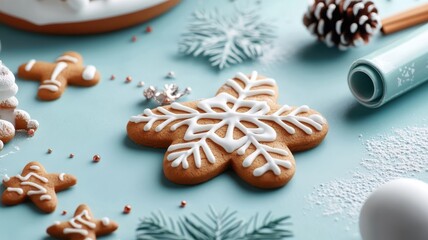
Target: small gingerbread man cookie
<point x="11" y="119"/>
<point x="242" y="128"/>
<point x="37" y="185"/>
<point x="54" y="77"/>
<point x="82" y="226"/>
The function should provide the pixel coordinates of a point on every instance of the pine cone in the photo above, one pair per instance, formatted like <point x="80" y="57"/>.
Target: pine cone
<point x="342" y="23"/>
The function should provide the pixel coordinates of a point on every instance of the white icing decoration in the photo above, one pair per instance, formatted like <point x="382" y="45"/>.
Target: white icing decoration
<point x="6" y="178"/>
<point x="30" y="65"/>
<point x="67" y="58"/>
<point x="24" y="182"/>
<point x="40" y="189"/>
<point x="45" y="197"/>
<point x="57" y="222"/>
<point x="89" y="73"/>
<point x="53" y="84"/>
<point x="32" y="174"/>
<point x="88" y="239"/>
<point x="83" y="232"/>
<point x="35" y="167"/>
<point x="197" y="134"/>
<point x="78" y="227"/>
<point x="53" y="81"/>
<point x="105" y="221"/>
<point x="78" y="5"/>
<point x="49" y="12"/>
<point x="371" y="8"/>
<point x="51" y="88"/>
<point x="17" y="190"/>
<point x="61" y="176"/>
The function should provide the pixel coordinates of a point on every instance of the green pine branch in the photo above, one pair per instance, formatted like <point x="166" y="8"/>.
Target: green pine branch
<point x="216" y="226"/>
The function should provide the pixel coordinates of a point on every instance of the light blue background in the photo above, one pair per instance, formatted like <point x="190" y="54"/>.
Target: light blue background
<point x="87" y="121"/>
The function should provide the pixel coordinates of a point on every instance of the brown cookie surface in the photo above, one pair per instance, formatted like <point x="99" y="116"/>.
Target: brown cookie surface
<point x="242" y="127"/>
<point x="68" y="69"/>
<point x="36" y="185"/>
<point x="83" y="226"/>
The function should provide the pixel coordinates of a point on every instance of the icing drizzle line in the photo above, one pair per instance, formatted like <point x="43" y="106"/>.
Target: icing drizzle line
<point x="77" y="223"/>
<point x="53" y="84"/>
<point x="67" y="58"/>
<point x="197" y="134"/>
<point x="30" y="65"/>
<point x="61" y="176"/>
<point x="40" y="190"/>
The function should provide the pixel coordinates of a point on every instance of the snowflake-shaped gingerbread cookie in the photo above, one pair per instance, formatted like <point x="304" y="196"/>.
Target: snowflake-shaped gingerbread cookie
<point x="242" y="128"/>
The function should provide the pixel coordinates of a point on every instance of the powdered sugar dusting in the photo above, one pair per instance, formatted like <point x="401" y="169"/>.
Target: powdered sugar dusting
<point x="274" y="54"/>
<point x="403" y="153"/>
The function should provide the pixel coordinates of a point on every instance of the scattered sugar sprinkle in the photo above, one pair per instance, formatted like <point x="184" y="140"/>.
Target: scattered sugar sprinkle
<point x="15" y="150"/>
<point x="403" y="153"/>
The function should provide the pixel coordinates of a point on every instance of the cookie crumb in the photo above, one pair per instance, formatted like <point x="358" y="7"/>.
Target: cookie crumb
<point x="71" y="155"/>
<point x="96" y="158"/>
<point x="128" y="79"/>
<point x="112" y="77"/>
<point x="134" y="38"/>
<point x="50" y="150"/>
<point x="127" y="209"/>
<point x="148" y="29"/>
<point x="30" y="132"/>
<point x="183" y="204"/>
<point x="64" y="212"/>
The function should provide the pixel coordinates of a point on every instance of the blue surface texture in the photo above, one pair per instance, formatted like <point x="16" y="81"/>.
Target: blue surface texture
<point x="88" y="121"/>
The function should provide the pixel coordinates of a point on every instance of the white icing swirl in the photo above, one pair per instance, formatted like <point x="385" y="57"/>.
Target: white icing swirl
<point x="89" y="73"/>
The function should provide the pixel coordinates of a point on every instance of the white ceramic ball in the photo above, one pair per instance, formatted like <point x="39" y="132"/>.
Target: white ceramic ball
<point x="78" y="4"/>
<point x="397" y="210"/>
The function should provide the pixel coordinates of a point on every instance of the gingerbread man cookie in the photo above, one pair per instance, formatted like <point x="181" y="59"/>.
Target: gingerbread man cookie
<point x="54" y="77"/>
<point x="82" y="226"/>
<point x="11" y="119"/>
<point x="37" y="185"/>
<point x="242" y="127"/>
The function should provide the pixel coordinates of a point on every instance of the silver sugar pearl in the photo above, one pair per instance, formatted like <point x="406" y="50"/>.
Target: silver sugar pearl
<point x="170" y="75"/>
<point x="140" y="84"/>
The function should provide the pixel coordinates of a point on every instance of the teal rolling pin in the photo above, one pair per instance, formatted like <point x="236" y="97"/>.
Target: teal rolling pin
<point x="389" y="72"/>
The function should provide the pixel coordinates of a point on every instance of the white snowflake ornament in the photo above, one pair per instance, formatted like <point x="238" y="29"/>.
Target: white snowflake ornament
<point x="242" y="127"/>
<point x="227" y="40"/>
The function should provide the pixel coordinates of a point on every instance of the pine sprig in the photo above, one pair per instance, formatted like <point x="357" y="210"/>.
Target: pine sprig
<point x="227" y="40"/>
<point x="216" y="226"/>
<point x="157" y="226"/>
<point x="269" y="228"/>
